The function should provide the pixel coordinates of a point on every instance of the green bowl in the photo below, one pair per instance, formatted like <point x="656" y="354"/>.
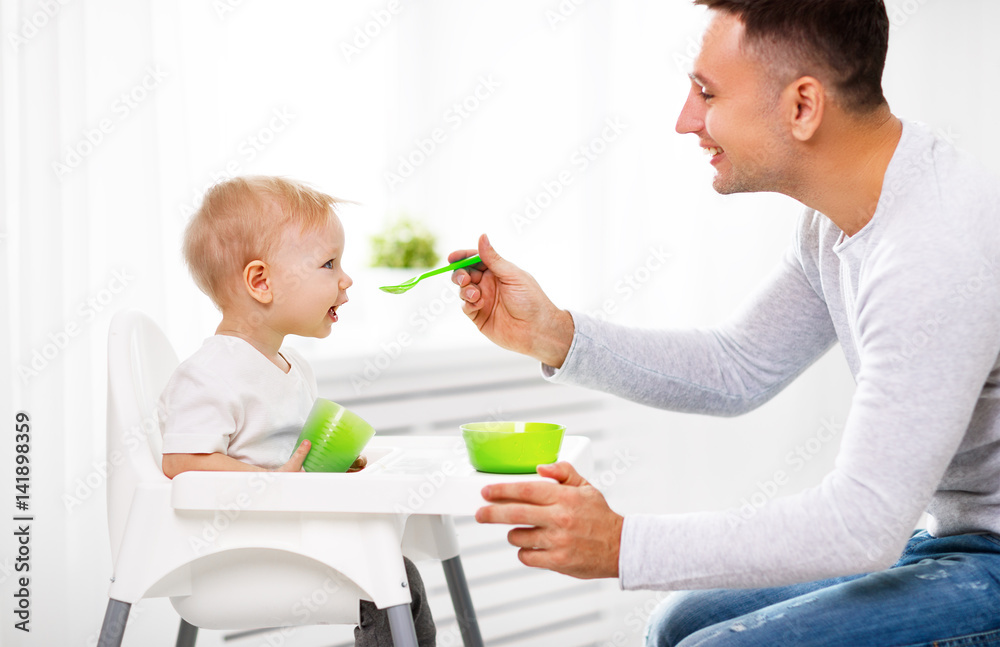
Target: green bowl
<point x="337" y="434"/>
<point x="512" y="447"/>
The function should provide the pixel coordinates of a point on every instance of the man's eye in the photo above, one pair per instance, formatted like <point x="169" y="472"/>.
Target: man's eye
<point x="706" y="96"/>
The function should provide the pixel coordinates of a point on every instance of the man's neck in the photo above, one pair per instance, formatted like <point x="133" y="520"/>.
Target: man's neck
<point x="844" y="180"/>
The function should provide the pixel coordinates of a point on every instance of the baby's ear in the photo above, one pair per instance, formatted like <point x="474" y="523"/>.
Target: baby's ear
<point x="256" y="279"/>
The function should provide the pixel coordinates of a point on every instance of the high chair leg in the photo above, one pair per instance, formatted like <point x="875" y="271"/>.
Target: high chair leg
<point x="187" y="634"/>
<point x="404" y="634"/>
<point x="113" y="628"/>
<point x="465" y="613"/>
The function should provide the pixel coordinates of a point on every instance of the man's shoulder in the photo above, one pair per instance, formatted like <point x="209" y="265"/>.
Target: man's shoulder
<point x="814" y="232"/>
<point x="937" y="201"/>
<point x="935" y="173"/>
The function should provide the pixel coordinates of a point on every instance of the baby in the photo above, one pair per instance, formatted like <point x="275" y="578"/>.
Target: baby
<point x="268" y="252"/>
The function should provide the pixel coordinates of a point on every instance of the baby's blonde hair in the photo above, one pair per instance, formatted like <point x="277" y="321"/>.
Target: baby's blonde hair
<point x="241" y="220"/>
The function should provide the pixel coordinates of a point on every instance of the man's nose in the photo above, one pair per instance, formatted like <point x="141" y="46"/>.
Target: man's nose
<point x="692" y="117"/>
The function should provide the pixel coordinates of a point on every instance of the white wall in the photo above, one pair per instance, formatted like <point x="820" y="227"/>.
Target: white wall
<point x="124" y="206"/>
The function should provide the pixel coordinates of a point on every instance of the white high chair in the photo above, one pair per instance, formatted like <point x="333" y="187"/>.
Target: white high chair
<point x="265" y="559"/>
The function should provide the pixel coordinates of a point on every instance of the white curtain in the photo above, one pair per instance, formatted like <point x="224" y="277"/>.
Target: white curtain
<point x="547" y="125"/>
<point x="82" y="198"/>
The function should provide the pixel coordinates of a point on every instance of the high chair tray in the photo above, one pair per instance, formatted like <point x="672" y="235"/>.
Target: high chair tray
<point x="405" y="474"/>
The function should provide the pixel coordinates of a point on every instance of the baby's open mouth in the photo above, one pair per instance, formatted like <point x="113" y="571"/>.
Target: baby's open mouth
<point x="332" y="312"/>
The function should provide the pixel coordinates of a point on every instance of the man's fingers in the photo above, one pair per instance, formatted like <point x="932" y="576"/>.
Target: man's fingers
<point x="467" y="276"/>
<point x="470" y="310"/>
<point x="528" y="538"/>
<point x="490" y="257"/>
<point x="513" y="514"/>
<point x="534" y="558"/>
<point x="460" y="254"/>
<point x="562" y="472"/>
<point x="537" y="492"/>
<point x="472" y="294"/>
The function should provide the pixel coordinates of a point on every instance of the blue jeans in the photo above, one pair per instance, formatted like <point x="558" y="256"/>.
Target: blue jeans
<point x="943" y="592"/>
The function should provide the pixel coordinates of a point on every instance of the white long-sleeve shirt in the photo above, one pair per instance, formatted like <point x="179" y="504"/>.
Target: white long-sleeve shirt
<point x="914" y="300"/>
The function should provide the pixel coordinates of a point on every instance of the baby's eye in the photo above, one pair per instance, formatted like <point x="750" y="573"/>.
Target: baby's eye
<point x="329" y="264"/>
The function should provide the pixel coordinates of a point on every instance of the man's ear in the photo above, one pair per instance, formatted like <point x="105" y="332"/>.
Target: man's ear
<point x="257" y="281"/>
<point x="805" y="99"/>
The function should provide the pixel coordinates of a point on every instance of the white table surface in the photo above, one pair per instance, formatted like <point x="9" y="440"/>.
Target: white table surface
<point x="405" y="474"/>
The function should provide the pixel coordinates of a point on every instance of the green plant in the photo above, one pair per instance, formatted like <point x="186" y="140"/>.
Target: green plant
<point x="404" y="243"/>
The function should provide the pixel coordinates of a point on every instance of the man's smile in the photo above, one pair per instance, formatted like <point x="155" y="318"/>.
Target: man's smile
<point x="715" y="152"/>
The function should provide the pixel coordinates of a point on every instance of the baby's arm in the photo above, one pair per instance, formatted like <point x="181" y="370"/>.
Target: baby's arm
<point x="174" y="464"/>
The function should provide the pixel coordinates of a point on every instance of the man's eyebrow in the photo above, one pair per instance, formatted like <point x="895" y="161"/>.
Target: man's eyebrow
<point x="700" y="80"/>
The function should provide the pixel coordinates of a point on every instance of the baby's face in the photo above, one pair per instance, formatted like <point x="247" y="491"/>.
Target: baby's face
<point x="308" y="281"/>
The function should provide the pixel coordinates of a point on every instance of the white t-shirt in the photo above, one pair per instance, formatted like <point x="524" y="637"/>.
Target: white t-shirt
<point x="229" y="398"/>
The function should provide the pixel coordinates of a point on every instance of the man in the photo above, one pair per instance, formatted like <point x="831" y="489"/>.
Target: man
<point x="896" y="258"/>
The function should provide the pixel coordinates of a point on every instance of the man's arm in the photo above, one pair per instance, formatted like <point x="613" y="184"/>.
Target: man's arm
<point x="916" y="396"/>
<point x="783" y="328"/>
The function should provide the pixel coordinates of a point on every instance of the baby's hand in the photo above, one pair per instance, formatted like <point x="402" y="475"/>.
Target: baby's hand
<point x="294" y="463"/>
<point x="358" y="465"/>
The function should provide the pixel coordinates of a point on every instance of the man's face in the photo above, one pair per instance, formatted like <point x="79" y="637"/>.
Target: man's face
<point x="733" y="109"/>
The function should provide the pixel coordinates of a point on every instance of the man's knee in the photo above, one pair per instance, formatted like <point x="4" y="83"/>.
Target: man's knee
<point x="677" y="617"/>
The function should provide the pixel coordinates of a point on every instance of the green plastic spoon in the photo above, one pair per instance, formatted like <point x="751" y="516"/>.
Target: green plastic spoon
<point x="406" y="285"/>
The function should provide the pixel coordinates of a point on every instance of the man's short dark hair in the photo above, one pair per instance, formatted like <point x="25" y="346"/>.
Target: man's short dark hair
<point x="843" y="41"/>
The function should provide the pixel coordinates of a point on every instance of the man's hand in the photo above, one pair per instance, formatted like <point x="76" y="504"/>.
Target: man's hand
<point x="510" y="308"/>
<point x="571" y="528"/>
<point x="294" y="464"/>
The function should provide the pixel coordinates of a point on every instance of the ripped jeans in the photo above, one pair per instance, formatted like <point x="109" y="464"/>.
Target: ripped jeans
<point x="943" y="592"/>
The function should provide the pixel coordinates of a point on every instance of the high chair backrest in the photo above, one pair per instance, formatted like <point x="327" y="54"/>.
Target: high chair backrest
<point x="140" y="361"/>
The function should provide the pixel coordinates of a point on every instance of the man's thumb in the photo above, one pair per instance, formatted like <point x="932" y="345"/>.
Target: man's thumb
<point x="562" y="472"/>
<point x="490" y="257"/>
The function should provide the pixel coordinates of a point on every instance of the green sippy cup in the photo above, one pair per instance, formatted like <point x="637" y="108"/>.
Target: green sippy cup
<point x="337" y="434"/>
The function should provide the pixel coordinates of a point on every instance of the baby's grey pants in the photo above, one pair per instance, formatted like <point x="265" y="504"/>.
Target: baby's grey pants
<point x="374" y="628"/>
